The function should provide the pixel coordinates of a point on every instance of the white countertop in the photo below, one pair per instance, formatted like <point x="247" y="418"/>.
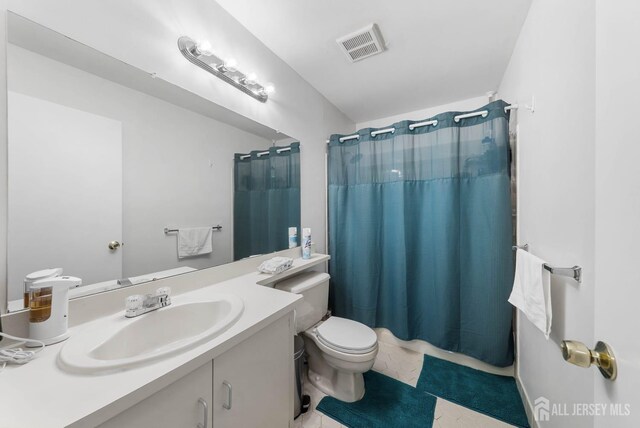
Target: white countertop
<point x="40" y="394"/>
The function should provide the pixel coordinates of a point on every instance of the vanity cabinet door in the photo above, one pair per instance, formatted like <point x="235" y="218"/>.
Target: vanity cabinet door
<point x="253" y="381"/>
<point x="176" y="406"/>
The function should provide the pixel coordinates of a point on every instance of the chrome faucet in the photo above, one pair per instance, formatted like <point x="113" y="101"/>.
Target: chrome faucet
<point x="138" y="304"/>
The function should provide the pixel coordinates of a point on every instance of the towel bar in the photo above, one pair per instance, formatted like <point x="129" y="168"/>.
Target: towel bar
<point x="574" y="272"/>
<point x="167" y="230"/>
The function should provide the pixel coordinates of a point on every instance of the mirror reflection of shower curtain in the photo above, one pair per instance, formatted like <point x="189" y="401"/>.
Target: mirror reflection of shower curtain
<point x="420" y="232"/>
<point x="266" y="200"/>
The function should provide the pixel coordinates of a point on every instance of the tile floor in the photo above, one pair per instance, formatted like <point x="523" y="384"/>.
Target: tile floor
<point x="403" y="365"/>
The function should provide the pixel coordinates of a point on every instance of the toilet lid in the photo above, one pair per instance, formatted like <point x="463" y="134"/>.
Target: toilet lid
<point x="347" y="335"/>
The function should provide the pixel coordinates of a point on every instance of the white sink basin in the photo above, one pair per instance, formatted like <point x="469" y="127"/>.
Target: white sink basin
<point x="118" y="342"/>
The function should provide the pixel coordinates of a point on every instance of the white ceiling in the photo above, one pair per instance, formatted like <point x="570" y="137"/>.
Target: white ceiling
<point x="439" y="51"/>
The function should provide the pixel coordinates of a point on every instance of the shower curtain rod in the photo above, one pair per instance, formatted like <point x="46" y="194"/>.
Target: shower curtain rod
<point x="286" y="149"/>
<point x="434" y="122"/>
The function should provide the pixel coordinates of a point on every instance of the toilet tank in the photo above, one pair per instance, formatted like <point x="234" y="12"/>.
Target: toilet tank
<point x="314" y="288"/>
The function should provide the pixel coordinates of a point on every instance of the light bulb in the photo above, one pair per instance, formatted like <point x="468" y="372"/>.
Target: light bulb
<point x="269" y="88"/>
<point x="251" y="79"/>
<point x="203" y="47"/>
<point x="231" y="64"/>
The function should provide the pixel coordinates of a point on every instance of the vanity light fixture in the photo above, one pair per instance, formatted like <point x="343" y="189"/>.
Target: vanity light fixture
<point x="201" y="54"/>
<point x="204" y="48"/>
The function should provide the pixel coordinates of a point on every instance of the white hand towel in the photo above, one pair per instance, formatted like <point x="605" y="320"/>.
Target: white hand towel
<point x="194" y="241"/>
<point x="275" y="265"/>
<point x="532" y="291"/>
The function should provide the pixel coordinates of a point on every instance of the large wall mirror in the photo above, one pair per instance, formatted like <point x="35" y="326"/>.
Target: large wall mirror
<point x="115" y="176"/>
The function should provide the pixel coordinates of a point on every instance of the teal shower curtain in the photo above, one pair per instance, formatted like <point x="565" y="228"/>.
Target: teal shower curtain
<point x="420" y="232"/>
<point x="266" y="200"/>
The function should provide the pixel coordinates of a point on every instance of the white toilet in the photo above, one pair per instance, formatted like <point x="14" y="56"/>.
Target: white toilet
<point x="339" y="350"/>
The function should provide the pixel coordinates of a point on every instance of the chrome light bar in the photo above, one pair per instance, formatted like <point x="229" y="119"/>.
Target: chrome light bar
<point x="215" y="65"/>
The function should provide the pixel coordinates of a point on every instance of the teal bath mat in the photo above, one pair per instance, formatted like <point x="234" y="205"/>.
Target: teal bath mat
<point x="493" y="395"/>
<point x="387" y="403"/>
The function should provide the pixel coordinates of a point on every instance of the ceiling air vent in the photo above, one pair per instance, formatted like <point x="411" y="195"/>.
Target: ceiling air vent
<point x="362" y="44"/>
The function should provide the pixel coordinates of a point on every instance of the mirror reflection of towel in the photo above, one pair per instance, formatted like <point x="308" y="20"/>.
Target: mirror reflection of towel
<point x="194" y="241"/>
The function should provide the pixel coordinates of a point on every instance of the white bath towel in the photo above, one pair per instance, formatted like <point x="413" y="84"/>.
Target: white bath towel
<point x="194" y="241"/>
<point x="532" y="291"/>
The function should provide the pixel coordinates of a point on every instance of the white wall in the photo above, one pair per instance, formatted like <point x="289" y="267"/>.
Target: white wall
<point x="167" y="150"/>
<point x="3" y="155"/>
<point x="462" y="105"/>
<point x="617" y="203"/>
<point x="554" y="59"/>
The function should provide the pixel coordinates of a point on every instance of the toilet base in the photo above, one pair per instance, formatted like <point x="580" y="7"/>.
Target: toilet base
<point x="345" y="385"/>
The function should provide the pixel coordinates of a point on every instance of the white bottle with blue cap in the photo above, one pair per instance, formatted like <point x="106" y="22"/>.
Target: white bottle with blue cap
<point x="306" y="243"/>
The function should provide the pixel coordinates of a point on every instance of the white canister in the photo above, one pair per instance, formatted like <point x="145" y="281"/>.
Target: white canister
<point x="306" y="243"/>
<point x="293" y="237"/>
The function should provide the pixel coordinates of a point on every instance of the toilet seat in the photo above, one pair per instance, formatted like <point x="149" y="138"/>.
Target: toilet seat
<point x="346" y="336"/>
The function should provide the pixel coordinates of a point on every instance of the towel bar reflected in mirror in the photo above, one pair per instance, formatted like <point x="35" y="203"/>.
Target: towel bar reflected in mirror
<point x="167" y="230"/>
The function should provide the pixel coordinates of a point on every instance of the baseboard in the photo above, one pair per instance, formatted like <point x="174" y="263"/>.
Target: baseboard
<point x="527" y="404"/>
<point x="423" y="347"/>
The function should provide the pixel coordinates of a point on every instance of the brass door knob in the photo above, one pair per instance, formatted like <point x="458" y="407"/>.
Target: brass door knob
<point x="602" y="356"/>
<point x="114" y="245"/>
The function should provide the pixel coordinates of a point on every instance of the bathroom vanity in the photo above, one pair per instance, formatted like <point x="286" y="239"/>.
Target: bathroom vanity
<point x="229" y="391"/>
<point x="241" y="377"/>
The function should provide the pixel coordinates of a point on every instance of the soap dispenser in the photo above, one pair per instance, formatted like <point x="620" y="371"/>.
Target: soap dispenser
<point x="48" y="309"/>
<point x="37" y="276"/>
